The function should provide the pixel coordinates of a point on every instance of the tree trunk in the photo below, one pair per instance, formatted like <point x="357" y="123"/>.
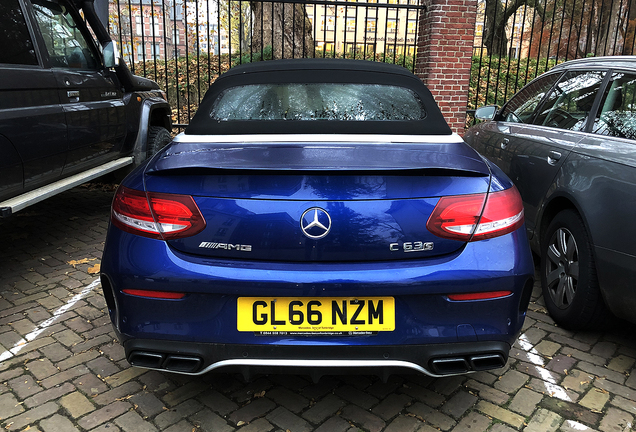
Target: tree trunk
<point x="610" y="16"/>
<point x="495" y="37"/>
<point x="630" y="33"/>
<point x="283" y="26"/>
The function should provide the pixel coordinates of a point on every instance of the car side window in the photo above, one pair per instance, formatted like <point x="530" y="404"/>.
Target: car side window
<point x="66" y="45"/>
<point x="15" y="40"/>
<point x="521" y="107"/>
<point x="617" y="112"/>
<point x="570" y="102"/>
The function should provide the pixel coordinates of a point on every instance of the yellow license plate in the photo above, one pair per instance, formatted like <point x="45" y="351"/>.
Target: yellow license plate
<point x="316" y="314"/>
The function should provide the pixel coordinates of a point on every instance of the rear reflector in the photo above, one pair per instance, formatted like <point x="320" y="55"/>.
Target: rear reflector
<point x="156" y="215"/>
<point x="477" y="216"/>
<point x="154" y="294"/>
<point x="479" y="295"/>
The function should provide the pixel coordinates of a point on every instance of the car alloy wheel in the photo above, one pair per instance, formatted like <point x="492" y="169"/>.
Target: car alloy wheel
<point x="562" y="268"/>
<point x="568" y="274"/>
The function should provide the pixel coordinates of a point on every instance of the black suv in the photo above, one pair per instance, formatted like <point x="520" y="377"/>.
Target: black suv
<point x="70" y="111"/>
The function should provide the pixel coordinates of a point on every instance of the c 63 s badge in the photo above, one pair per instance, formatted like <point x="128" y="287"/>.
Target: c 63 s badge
<point x="417" y="246"/>
<point x="226" y="246"/>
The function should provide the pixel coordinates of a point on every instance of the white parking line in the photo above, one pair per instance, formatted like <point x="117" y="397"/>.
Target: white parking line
<point x="19" y="346"/>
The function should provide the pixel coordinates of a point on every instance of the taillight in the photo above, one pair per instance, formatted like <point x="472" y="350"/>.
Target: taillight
<point x="156" y="215"/>
<point x="460" y="217"/>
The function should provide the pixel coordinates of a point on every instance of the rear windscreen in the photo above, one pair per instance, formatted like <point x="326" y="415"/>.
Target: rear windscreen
<point x="318" y="101"/>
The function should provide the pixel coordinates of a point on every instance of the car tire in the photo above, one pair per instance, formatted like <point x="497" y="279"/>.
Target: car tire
<point x="568" y="275"/>
<point x="158" y="138"/>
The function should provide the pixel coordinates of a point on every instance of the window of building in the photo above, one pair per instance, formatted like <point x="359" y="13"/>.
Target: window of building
<point x="351" y="24"/>
<point x="138" y="25"/>
<point x="411" y="26"/>
<point x="328" y="23"/>
<point x="391" y="25"/>
<point x="328" y="47"/>
<point x="155" y="26"/>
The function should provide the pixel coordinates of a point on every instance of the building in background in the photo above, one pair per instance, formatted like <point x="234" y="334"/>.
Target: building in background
<point x="205" y="30"/>
<point x="365" y="30"/>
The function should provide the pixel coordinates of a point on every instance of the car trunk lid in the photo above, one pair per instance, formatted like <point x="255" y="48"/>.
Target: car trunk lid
<point x="317" y="202"/>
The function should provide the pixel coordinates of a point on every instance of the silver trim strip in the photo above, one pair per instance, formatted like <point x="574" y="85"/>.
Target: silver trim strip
<point x="320" y="138"/>
<point x="29" y="198"/>
<point x="308" y="363"/>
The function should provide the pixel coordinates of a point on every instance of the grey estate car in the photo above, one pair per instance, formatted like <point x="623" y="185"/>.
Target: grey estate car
<point x="568" y="141"/>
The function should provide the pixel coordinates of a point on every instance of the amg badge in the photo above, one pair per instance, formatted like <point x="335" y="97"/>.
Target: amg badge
<point x="226" y="246"/>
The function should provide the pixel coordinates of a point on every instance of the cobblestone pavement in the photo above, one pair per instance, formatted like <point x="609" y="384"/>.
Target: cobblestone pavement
<point x="62" y="371"/>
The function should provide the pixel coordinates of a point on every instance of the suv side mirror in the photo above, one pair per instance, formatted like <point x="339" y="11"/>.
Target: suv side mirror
<point x="487" y="112"/>
<point x="111" y="55"/>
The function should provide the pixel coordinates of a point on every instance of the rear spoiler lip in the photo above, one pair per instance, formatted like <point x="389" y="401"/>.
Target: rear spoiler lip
<point x="303" y="155"/>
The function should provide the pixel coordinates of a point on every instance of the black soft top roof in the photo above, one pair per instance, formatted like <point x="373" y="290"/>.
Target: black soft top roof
<point x="317" y="65"/>
<point x="318" y="71"/>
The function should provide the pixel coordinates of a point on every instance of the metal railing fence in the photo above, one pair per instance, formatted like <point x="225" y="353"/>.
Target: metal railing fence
<point x="517" y="41"/>
<point x="186" y="45"/>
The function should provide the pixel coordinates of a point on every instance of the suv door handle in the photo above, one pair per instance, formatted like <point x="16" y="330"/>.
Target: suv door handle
<point x="553" y="157"/>
<point x="504" y="143"/>
<point x="73" y="95"/>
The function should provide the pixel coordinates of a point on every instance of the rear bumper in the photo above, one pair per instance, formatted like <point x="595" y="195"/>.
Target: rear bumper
<point x="433" y="360"/>
<point x="202" y="326"/>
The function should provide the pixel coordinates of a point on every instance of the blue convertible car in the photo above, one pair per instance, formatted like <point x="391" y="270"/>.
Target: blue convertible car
<point x="317" y="214"/>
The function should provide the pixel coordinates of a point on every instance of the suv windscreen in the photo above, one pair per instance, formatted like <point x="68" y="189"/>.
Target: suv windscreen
<point x="521" y="107"/>
<point x="318" y="101"/>
<point x="66" y="45"/>
<point x="617" y="112"/>
<point x="569" y="104"/>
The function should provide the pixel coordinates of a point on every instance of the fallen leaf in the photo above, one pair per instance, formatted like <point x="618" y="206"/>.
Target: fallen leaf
<point x="94" y="269"/>
<point x="240" y="423"/>
<point x="82" y="261"/>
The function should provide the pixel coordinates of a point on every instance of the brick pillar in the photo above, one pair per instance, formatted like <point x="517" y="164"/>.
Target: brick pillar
<point x="444" y="52"/>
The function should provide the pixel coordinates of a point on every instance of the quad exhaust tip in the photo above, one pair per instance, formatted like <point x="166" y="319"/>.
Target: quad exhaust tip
<point x="459" y="365"/>
<point x="169" y="362"/>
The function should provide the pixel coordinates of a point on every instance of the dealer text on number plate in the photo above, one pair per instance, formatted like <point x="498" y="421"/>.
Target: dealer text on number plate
<point x="315" y="314"/>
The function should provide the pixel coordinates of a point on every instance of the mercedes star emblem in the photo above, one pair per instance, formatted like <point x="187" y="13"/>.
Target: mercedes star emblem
<point x="315" y="223"/>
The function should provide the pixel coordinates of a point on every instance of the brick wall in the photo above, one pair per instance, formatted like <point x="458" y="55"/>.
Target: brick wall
<point x="445" y="45"/>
